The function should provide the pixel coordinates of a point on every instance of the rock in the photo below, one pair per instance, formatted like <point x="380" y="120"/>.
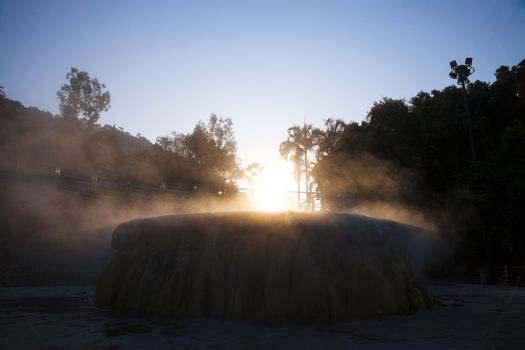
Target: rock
<point x="263" y="266"/>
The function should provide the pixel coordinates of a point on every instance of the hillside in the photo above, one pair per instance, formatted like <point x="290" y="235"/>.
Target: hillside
<point x="33" y="139"/>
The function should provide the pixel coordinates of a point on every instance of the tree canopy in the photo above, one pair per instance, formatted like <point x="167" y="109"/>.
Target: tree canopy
<point x="210" y="149"/>
<point x="426" y="140"/>
<point x="83" y="98"/>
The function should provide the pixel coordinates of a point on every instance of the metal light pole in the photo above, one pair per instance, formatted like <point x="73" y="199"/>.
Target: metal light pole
<point x="461" y="73"/>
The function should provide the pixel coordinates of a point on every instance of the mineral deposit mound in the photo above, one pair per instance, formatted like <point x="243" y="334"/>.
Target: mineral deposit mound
<point x="263" y="266"/>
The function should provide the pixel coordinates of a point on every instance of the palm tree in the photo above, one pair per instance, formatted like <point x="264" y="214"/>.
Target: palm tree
<point x="290" y="149"/>
<point x="300" y="141"/>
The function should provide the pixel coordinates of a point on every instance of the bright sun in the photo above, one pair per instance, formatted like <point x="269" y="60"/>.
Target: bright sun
<point x="270" y="191"/>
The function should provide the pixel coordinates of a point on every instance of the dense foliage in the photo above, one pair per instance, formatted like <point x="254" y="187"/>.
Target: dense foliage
<point x="83" y="98"/>
<point x="416" y="152"/>
<point x="209" y="153"/>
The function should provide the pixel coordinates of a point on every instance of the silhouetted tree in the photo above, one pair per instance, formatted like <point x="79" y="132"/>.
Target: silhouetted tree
<point x="300" y="142"/>
<point x="428" y="136"/>
<point x="2" y="94"/>
<point x="498" y="192"/>
<point x="252" y="171"/>
<point x="210" y="149"/>
<point x="83" y="98"/>
<point x="330" y="137"/>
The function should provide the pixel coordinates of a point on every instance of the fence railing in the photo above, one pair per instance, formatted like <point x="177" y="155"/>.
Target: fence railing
<point x="506" y="275"/>
<point x="90" y="185"/>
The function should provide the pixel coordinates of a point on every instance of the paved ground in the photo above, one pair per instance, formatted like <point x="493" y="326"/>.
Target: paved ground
<point x="465" y="317"/>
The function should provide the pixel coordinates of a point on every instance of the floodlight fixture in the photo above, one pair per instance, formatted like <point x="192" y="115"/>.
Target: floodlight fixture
<point x="461" y="72"/>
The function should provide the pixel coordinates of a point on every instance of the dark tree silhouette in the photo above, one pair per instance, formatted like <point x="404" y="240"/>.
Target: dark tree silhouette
<point x="210" y="151"/>
<point x="83" y="98"/>
<point x="428" y="137"/>
<point x="330" y="137"/>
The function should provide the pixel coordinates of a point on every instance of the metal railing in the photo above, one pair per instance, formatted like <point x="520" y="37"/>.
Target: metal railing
<point x="90" y="185"/>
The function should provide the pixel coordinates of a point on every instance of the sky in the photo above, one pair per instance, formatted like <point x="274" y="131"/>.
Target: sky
<point x="266" y="65"/>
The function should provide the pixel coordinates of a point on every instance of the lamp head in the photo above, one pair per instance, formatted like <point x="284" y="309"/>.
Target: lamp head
<point x="468" y="61"/>
<point x="453" y="64"/>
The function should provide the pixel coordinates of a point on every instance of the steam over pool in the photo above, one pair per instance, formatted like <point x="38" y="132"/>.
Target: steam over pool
<point x="263" y="266"/>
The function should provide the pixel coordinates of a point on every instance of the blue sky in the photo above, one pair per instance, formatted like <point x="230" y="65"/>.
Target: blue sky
<point x="264" y="64"/>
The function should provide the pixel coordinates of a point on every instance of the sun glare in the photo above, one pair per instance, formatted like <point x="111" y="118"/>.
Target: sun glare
<point x="270" y="191"/>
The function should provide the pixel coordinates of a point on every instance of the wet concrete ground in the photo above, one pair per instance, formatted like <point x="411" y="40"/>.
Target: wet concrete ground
<point x="464" y="317"/>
